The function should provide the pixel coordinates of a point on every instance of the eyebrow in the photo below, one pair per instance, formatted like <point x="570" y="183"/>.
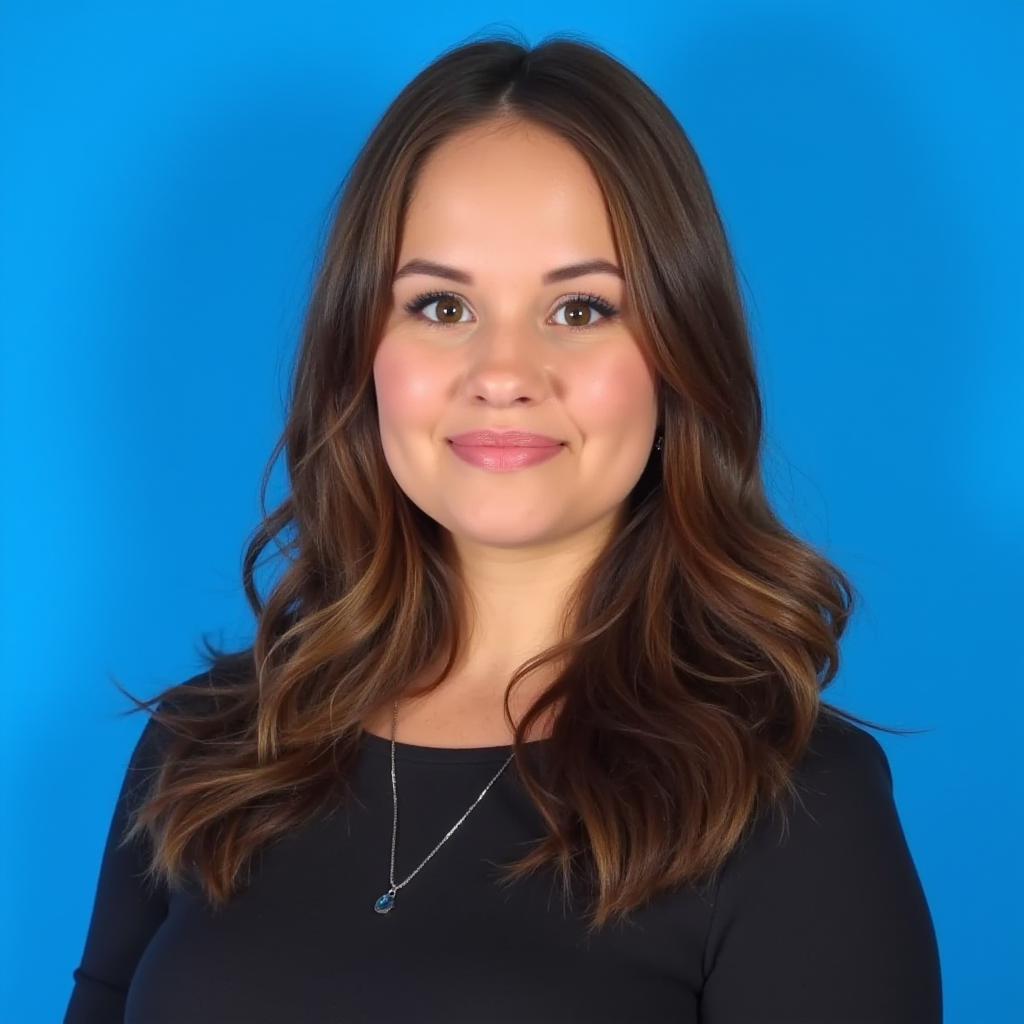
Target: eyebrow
<point x="419" y="266"/>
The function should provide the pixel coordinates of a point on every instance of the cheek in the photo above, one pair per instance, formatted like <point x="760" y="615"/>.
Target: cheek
<point x="617" y="394"/>
<point x="409" y="390"/>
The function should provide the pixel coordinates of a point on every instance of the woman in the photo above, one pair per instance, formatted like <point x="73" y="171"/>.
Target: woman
<point x="539" y="610"/>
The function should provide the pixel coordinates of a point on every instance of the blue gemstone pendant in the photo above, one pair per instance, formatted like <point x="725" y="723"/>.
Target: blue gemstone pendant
<point x="386" y="902"/>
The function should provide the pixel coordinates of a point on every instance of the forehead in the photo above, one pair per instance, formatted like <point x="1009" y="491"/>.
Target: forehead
<point x="498" y="199"/>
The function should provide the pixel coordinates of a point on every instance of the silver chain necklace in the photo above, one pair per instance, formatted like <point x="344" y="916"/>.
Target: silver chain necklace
<point x="385" y="902"/>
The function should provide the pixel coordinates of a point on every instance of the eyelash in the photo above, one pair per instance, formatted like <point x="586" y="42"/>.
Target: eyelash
<point x="605" y="308"/>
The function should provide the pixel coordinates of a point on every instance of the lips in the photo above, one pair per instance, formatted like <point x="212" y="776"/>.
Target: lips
<point x="504" y="439"/>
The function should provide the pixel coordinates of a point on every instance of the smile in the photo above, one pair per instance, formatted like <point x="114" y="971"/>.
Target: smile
<point x="503" y="458"/>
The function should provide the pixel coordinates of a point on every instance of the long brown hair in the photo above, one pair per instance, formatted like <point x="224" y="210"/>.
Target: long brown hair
<point x="697" y="643"/>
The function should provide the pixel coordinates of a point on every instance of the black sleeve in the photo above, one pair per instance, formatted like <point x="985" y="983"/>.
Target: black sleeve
<point x="126" y="911"/>
<point x="826" y="922"/>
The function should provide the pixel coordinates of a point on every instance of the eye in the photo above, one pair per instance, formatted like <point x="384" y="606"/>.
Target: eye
<point x="452" y="305"/>
<point x="581" y="306"/>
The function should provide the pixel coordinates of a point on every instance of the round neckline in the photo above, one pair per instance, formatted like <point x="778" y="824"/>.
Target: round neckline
<point x="375" y="744"/>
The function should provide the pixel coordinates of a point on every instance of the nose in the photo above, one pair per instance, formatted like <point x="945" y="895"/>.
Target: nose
<point x="508" y="368"/>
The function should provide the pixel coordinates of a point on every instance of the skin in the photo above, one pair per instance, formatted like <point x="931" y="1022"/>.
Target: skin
<point x="505" y="206"/>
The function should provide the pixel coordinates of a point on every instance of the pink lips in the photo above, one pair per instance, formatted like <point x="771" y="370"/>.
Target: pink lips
<point x="501" y="451"/>
<point x="504" y="439"/>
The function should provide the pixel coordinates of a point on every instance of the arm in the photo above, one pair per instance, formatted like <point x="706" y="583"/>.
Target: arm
<point x="827" y="923"/>
<point x="126" y="911"/>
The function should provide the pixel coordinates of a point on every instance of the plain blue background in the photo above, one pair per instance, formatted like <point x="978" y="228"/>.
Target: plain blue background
<point x="168" y="175"/>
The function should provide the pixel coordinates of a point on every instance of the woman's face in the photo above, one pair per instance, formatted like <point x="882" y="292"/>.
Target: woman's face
<point x="505" y="349"/>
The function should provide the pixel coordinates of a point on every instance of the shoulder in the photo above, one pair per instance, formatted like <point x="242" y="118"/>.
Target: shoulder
<point x="839" y="744"/>
<point x="196" y="695"/>
<point x="844" y="772"/>
<point x="821" y="907"/>
<point x="209" y="689"/>
<point x="151" y="745"/>
<point x="837" y="840"/>
<point x="842" y="799"/>
<point x="840" y="820"/>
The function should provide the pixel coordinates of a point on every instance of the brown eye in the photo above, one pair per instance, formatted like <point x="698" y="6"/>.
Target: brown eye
<point x="449" y="308"/>
<point x="579" y="310"/>
<point x="577" y="313"/>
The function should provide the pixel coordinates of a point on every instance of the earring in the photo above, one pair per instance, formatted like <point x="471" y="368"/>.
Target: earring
<point x="657" y="443"/>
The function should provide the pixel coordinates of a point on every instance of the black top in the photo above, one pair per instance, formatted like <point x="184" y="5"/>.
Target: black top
<point x="827" y="924"/>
